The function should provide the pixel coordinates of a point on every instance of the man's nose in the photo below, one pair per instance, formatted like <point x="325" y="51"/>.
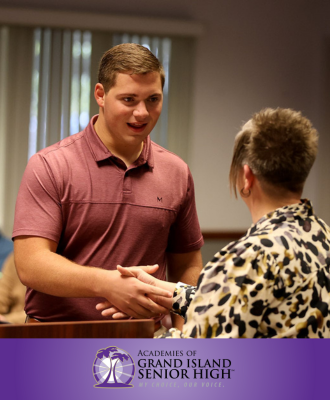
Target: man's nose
<point x="141" y="111"/>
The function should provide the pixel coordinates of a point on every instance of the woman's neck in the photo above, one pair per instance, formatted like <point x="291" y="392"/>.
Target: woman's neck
<point x="260" y="203"/>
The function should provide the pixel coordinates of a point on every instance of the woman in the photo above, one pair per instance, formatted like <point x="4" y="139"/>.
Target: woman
<point x="274" y="281"/>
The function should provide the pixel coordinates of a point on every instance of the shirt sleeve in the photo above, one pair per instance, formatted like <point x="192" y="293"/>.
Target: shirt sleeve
<point x="38" y="209"/>
<point x="185" y="233"/>
<point x="182" y="297"/>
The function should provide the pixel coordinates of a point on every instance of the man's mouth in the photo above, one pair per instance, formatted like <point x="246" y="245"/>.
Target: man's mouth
<point x="137" y="127"/>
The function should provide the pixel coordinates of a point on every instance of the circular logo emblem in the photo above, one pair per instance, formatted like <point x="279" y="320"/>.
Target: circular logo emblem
<point x="113" y="368"/>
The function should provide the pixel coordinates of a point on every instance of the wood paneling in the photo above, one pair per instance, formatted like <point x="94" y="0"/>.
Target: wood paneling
<point x="89" y="329"/>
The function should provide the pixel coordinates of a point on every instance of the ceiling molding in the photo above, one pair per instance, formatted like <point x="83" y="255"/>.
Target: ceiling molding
<point x="101" y="22"/>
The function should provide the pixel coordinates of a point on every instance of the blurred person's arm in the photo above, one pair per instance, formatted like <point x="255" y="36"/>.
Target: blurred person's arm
<point x="16" y="317"/>
<point x="7" y="282"/>
<point x="12" y="294"/>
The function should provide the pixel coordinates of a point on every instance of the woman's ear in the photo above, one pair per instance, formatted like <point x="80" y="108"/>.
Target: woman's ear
<point x="99" y="94"/>
<point x="248" y="177"/>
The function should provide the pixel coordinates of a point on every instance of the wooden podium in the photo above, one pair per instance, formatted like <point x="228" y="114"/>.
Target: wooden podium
<point x="142" y="328"/>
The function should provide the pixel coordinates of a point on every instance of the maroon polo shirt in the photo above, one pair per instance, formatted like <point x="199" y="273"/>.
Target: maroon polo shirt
<point x="102" y="213"/>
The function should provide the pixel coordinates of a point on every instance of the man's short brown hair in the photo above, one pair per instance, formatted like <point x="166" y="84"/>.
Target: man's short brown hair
<point x="280" y="147"/>
<point x="127" y="58"/>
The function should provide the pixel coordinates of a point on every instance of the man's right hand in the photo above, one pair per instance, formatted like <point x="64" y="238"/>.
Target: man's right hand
<point x="142" y="274"/>
<point x="133" y="297"/>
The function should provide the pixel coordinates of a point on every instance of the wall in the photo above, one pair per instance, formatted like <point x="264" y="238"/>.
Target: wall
<point x="253" y="54"/>
<point x="264" y="55"/>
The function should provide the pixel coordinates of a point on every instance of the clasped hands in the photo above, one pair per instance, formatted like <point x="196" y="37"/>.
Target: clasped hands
<point x="138" y="295"/>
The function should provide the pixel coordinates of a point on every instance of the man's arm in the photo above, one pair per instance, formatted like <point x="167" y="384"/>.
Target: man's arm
<point x="184" y="267"/>
<point x="188" y="266"/>
<point x="40" y="268"/>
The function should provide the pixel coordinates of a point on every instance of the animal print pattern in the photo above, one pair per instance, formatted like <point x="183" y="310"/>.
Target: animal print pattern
<point x="274" y="282"/>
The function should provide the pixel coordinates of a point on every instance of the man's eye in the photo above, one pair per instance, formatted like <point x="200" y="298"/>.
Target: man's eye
<point x="128" y="99"/>
<point x="154" y="99"/>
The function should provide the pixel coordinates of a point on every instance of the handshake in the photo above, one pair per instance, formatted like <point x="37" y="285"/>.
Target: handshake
<point x="136" y="293"/>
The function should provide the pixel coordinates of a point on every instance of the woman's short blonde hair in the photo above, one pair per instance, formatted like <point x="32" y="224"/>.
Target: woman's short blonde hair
<point x="280" y="147"/>
<point x="127" y="58"/>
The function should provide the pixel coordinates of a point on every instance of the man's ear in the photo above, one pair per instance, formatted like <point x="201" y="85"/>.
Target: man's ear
<point x="99" y="94"/>
<point x="248" y="177"/>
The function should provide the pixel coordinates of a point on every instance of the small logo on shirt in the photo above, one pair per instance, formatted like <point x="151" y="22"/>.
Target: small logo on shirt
<point x="159" y="199"/>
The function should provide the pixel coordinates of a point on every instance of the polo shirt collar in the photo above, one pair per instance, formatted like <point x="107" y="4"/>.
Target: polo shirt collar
<point x="100" y="151"/>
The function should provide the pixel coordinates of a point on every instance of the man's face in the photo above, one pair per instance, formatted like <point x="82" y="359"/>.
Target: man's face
<point x="132" y="107"/>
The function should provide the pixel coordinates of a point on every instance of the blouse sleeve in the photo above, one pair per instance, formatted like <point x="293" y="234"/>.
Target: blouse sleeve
<point x="232" y="296"/>
<point x="182" y="297"/>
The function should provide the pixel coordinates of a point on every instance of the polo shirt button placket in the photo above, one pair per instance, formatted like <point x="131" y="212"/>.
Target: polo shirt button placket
<point x="127" y="185"/>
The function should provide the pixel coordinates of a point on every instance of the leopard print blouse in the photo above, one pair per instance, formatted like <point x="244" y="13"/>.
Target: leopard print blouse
<point x="274" y="282"/>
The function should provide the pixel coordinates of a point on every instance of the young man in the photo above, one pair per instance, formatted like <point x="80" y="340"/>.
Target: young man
<point x="107" y="196"/>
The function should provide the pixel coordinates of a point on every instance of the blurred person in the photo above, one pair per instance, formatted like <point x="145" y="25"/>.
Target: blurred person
<point x="274" y="282"/>
<point x="12" y="294"/>
<point x="6" y="247"/>
<point x="106" y="196"/>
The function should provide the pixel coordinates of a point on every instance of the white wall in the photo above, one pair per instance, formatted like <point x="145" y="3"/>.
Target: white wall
<point x="254" y="53"/>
